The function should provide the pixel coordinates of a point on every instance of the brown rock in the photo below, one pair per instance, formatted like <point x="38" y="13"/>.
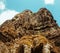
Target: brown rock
<point x="29" y="23"/>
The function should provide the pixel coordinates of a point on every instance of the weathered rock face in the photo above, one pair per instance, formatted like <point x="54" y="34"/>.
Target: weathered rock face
<point x="29" y="23"/>
<point x="29" y="44"/>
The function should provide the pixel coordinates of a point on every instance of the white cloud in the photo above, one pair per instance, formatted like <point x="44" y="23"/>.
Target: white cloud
<point x="49" y="2"/>
<point x="8" y="14"/>
<point x="2" y="5"/>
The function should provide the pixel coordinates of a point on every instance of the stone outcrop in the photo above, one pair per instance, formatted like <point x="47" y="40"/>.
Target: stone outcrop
<point x="29" y="23"/>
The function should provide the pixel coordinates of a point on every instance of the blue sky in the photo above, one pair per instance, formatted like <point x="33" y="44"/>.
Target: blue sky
<point x="16" y="6"/>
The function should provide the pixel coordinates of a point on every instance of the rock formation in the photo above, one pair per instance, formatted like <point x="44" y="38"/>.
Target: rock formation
<point x="29" y="23"/>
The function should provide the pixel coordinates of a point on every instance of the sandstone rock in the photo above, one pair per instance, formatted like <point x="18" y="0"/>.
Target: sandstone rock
<point x="29" y="23"/>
